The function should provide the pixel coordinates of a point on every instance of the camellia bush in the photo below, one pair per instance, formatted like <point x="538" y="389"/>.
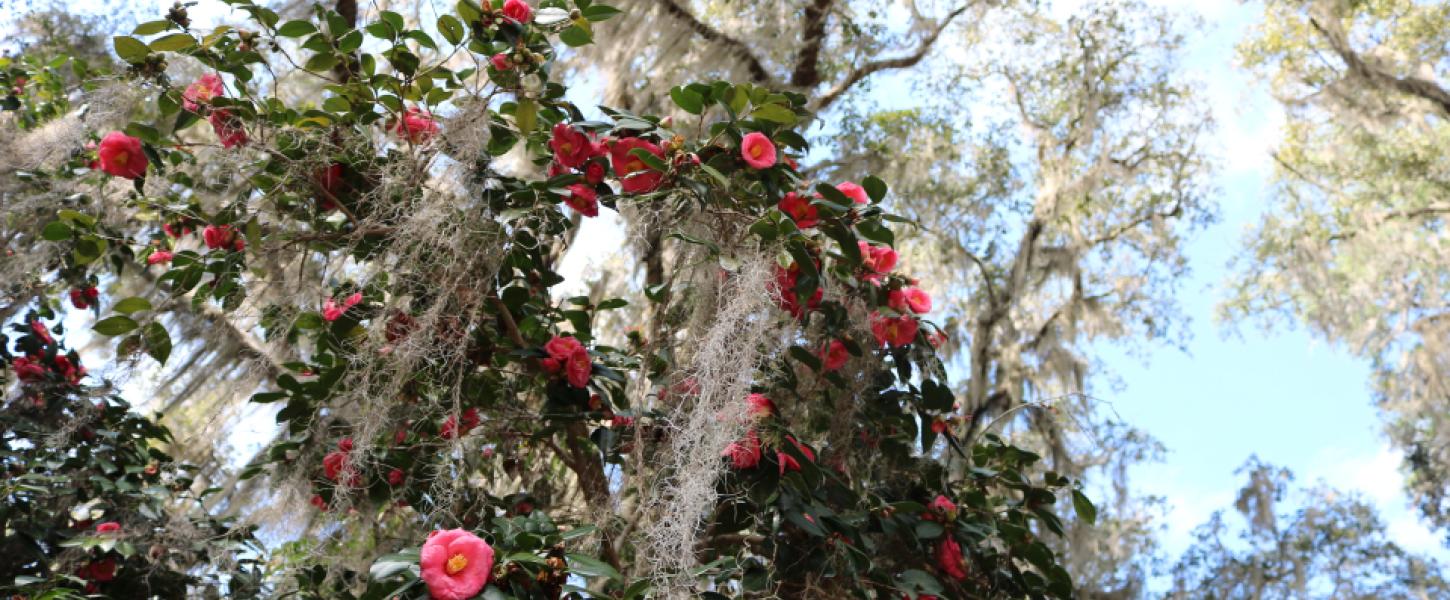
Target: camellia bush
<point x="387" y="205"/>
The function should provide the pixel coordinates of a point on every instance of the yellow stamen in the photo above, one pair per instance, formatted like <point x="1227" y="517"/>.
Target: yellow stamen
<point x="120" y="158"/>
<point x="456" y="564"/>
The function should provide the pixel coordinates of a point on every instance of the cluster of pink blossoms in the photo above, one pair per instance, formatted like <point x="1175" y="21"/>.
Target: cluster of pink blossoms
<point x="747" y="452"/>
<point x="566" y="355"/>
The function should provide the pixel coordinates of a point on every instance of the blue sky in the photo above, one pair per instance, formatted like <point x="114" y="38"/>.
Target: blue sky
<point x="1238" y="390"/>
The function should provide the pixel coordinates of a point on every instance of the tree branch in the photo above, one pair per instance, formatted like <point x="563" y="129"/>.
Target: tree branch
<point x="901" y="62"/>
<point x="1413" y="86"/>
<point x="758" y="73"/>
<point x="813" y="29"/>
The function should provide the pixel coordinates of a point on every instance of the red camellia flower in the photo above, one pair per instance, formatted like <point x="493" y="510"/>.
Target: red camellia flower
<point x="108" y="527"/>
<point x="788" y="462"/>
<point x="949" y="558"/>
<point x="834" y="355"/>
<point x="571" y="146"/>
<point x="800" y="210"/>
<point x="120" y="155"/>
<point x="41" y="332"/>
<point x="28" y="370"/>
<point x="416" y="126"/>
<point x="71" y="372"/>
<point x="518" y="10"/>
<point x="944" y="507"/>
<point x="228" y="128"/>
<point x="455" y="564"/>
<point x="100" y="571"/>
<point x="333" y="310"/>
<point x="395" y="477"/>
<point x="345" y="444"/>
<point x="222" y="237"/>
<point x="894" y="331"/>
<point x="577" y="368"/>
<point x="329" y="182"/>
<point x="451" y="428"/>
<point x="159" y="257"/>
<point x="635" y="176"/>
<point x="201" y="91"/>
<point x="757" y="150"/>
<point x="78" y="298"/>
<point x="594" y="172"/>
<point x="583" y="199"/>
<point x="783" y="286"/>
<point x="744" y="454"/>
<point x="501" y="62"/>
<point x="559" y="348"/>
<point x="760" y="406"/>
<point x="334" y="464"/>
<point x="855" y="192"/>
<point x="318" y="502"/>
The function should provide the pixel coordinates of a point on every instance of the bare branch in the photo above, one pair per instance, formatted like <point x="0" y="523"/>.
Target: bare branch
<point x="814" y="36"/>
<point x="757" y="70"/>
<point x="900" y="62"/>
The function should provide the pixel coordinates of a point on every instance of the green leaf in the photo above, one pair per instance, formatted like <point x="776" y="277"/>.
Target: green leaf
<point x="469" y="10"/>
<point x="116" y="325"/>
<point x="55" y="231"/>
<point x="151" y="27"/>
<point x="588" y="566"/>
<point x="875" y="188"/>
<point x="1084" y="507"/>
<point x="599" y="12"/>
<point x="130" y="49"/>
<point x="157" y="342"/>
<point x="575" y="36"/>
<point x="580" y="531"/>
<point x="451" y="29"/>
<point x="392" y="564"/>
<point x="131" y="305"/>
<point x="774" y="113"/>
<point x="173" y="43"/>
<point x="649" y="159"/>
<point x="688" y="100"/>
<point x="928" y="530"/>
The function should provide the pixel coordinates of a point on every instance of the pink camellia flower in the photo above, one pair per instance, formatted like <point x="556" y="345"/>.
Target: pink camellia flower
<point x="949" y="558"/>
<point x="894" y="331"/>
<point x="501" y="61"/>
<point x="877" y="260"/>
<point x="228" y="128"/>
<point x="518" y="10"/>
<point x="395" y="477"/>
<point x="159" y="257"/>
<point x="559" y="349"/>
<point x="744" y="454"/>
<point x="855" y="192"/>
<point x="120" y="155"/>
<point x="760" y="406"/>
<point x="416" y="126"/>
<point x="834" y="355"/>
<point x="455" y="564"/>
<point x="583" y="199"/>
<point x="571" y="146"/>
<point x="800" y="210"/>
<point x="222" y="237"/>
<point x="783" y="287"/>
<point x="345" y="444"/>
<point x="635" y="176"/>
<point x="757" y="150"/>
<point x="909" y="300"/>
<point x="577" y="368"/>
<point x="788" y="462"/>
<point x="333" y="310"/>
<point x="201" y="91"/>
<point x="594" y="172"/>
<point x="945" y="507"/>
<point x="108" y="527"/>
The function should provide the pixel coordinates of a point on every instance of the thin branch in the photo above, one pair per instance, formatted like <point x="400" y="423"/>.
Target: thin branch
<point x="900" y="62"/>
<point x="757" y="70"/>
